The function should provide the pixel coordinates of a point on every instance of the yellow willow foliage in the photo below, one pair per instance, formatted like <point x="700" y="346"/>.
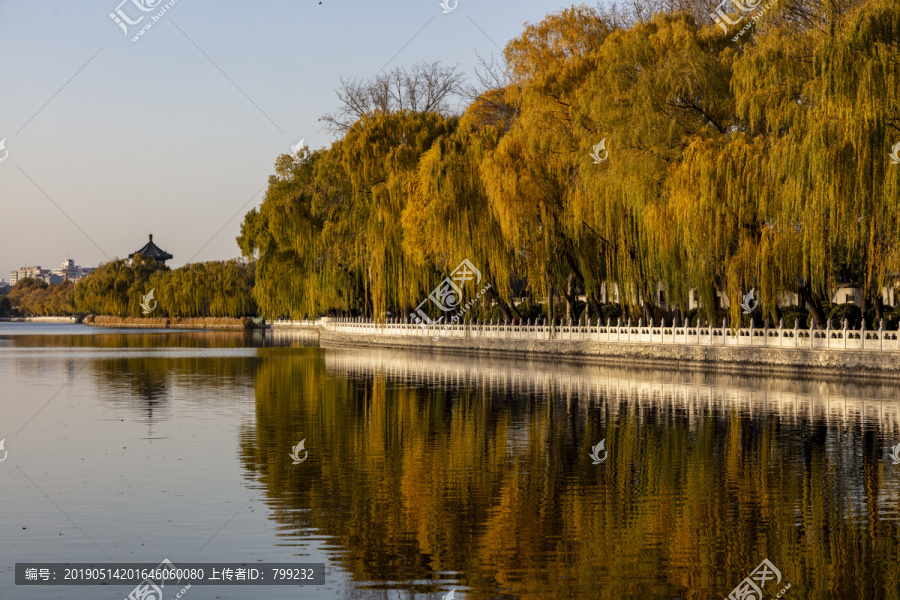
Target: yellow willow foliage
<point x="449" y="218"/>
<point x="828" y="105"/>
<point x="727" y="167"/>
<point x="329" y="232"/>
<point x="719" y="197"/>
<point x="528" y="176"/>
<point x="656" y="87"/>
<point x="380" y="156"/>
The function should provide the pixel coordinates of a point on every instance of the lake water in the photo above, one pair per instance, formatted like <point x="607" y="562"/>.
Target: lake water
<point x="430" y="471"/>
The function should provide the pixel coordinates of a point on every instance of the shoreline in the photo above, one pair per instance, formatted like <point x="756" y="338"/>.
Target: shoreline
<point x="795" y="363"/>
<point x="219" y="323"/>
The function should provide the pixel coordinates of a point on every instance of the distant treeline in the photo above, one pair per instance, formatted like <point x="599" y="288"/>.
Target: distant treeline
<point x="607" y="149"/>
<point x="117" y="288"/>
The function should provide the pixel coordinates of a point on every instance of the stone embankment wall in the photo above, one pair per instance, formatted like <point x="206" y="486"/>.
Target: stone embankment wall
<point x="742" y="360"/>
<point x="175" y="323"/>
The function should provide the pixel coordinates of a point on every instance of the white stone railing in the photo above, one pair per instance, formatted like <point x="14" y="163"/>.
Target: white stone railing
<point x="290" y="323"/>
<point x="776" y="337"/>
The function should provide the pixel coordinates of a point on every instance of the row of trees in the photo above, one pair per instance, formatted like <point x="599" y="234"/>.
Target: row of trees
<point x="35" y="297"/>
<point x="727" y="166"/>
<point x="211" y="289"/>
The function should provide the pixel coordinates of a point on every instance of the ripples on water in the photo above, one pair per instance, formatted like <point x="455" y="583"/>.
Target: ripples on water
<point x="431" y="471"/>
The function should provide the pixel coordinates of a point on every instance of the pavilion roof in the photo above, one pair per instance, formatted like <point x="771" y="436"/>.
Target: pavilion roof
<point x="151" y="250"/>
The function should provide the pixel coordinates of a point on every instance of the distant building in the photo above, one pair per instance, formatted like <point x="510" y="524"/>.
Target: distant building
<point x="151" y="250"/>
<point x="69" y="270"/>
<point x="29" y="273"/>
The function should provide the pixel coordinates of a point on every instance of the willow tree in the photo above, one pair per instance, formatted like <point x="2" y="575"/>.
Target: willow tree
<point x="657" y="87"/>
<point x="824" y="98"/>
<point x="528" y="177"/>
<point x="295" y="276"/>
<point x="449" y="217"/>
<point x="329" y="234"/>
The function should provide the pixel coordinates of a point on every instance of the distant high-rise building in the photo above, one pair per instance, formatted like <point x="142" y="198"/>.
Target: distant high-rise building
<point x="69" y="270"/>
<point x="29" y="273"/>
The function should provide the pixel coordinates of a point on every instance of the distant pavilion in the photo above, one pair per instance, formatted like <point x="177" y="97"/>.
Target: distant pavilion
<point x="151" y="250"/>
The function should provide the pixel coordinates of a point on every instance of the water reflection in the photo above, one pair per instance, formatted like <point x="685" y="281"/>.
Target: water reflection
<point x="430" y="471"/>
<point x="475" y="472"/>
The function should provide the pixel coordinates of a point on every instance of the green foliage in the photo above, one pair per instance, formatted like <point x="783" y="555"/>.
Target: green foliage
<point x="840" y="312"/>
<point x="792" y="315"/>
<point x="212" y="289"/>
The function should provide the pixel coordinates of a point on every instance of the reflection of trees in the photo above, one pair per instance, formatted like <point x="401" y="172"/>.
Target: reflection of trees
<point x="155" y="339"/>
<point x="410" y="479"/>
<point x="145" y="382"/>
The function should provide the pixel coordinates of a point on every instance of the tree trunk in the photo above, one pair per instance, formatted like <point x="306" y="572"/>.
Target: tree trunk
<point x="493" y="297"/>
<point x="596" y="310"/>
<point x="812" y="305"/>
<point x="570" y="298"/>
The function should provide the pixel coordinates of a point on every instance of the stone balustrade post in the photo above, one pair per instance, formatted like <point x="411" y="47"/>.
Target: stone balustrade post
<point x="846" y="329"/>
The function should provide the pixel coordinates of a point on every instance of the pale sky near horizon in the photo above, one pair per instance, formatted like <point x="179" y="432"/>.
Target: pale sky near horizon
<point x="176" y="134"/>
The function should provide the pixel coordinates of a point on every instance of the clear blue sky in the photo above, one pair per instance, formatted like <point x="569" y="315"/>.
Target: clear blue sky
<point x="175" y="134"/>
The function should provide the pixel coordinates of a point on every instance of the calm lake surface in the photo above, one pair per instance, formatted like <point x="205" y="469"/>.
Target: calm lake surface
<point x="432" y="471"/>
